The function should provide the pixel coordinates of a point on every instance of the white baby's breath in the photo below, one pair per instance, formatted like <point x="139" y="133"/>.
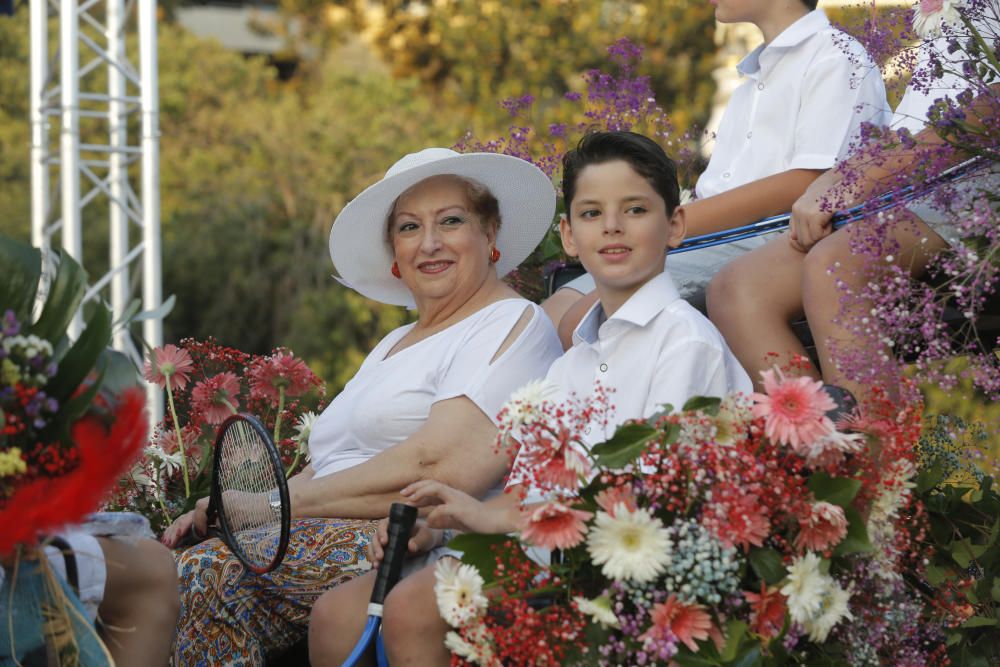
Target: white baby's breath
<point x="525" y="405"/>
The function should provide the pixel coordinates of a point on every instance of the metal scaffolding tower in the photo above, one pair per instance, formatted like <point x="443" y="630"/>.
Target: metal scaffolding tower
<point x="64" y="97"/>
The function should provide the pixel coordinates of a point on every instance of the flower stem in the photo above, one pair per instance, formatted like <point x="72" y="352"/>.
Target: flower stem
<point x="180" y="438"/>
<point x="295" y="462"/>
<point x="277" y="420"/>
<point x="987" y="51"/>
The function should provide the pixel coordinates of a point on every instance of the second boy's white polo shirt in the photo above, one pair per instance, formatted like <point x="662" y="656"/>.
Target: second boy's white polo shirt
<point x="655" y="349"/>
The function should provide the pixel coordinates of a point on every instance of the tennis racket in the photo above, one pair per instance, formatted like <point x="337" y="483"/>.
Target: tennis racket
<point x="248" y="506"/>
<point x="401" y="518"/>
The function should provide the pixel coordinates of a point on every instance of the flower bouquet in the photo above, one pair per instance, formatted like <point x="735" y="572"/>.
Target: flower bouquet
<point x="742" y="531"/>
<point x="205" y="383"/>
<point x="68" y="428"/>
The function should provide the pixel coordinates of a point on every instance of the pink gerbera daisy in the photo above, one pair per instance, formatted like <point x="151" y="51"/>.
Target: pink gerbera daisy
<point x="555" y="526"/>
<point x="740" y="521"/>
<point x="171" y="362"/>
<point x="686" y="622"/>
<point x="824" y="527"/>
<point x="610" y="498"/>
<point x="215" y="399"/>
<point x="794" y="409"/>
<point x="280" y="371"/>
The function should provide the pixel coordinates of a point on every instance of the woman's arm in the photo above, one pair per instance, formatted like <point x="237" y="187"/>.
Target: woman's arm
<point x="456" y="445"/>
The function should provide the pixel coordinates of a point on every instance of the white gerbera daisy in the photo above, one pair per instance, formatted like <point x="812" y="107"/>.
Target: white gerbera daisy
<point x="480" y="652"/>
<point x="832" y="610"/>
<point x="525" y="405"/>
<point x="166" y="463"/>
<point x="303" y="429"/>
<point x="459" y="592"/>
<point x="629" y="545"/>
<point x="599" y="610"/>
<point x="929" y="16"/>
<point x="805" y="588"/>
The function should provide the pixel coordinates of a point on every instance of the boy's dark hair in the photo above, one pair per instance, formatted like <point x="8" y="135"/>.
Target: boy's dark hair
<point x="811" y="4"/>
<point x="644" y="155"/>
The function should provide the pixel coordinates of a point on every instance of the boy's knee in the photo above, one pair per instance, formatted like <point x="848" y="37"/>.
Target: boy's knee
<point x="728" y="291"/>
<point x="821" y="267"/>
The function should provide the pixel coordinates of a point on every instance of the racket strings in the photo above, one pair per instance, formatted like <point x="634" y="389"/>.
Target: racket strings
<point x="246" y="481"/>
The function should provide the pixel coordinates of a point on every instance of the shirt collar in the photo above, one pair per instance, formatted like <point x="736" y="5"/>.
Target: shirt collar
<point x="807" y="26"/>
<point x="648" y="301"/>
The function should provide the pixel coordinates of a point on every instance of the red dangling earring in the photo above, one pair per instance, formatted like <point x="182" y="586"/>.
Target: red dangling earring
<point x="495" y="255"/>
<point x="395" y="270"/>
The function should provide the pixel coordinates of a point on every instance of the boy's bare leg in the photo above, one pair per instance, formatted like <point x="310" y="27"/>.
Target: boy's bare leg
<point x="821" y="297"/>
<point x="412" y="627"/>
<point x="141" y="602"/>
<point x="754" y="299"/>
<point x="337" y="621"/>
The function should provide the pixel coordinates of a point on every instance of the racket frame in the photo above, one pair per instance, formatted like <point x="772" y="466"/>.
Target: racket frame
<point x="216" y="508"/>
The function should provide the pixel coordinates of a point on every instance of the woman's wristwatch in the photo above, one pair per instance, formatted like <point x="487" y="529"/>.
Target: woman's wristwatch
<point x="274" y="500"/>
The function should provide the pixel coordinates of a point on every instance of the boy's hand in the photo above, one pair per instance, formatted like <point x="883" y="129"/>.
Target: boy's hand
<point x="453" y="508"/>
<point x="813" y="211"/>
<point x="423" y="538"/>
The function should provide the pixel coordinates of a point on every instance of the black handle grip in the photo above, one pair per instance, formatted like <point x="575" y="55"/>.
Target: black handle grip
<point x="401" y="519"/>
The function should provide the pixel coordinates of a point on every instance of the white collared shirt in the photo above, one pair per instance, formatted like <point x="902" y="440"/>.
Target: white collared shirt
<point x="805" y="97"/>
<point x="655" y="349"/>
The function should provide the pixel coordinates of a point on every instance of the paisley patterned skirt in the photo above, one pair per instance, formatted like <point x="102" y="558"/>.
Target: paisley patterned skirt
<point x="233" y="617"/>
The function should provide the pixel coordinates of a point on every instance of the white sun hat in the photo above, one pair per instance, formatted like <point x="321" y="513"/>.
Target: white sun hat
<point x="358" y="247"/>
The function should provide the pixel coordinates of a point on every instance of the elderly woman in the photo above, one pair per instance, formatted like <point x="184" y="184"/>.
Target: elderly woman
<point x="437" y="232"/>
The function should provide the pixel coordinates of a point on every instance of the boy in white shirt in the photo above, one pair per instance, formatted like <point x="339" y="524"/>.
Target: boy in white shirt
<point x="641" y="340"/>
<point x="807" y="90"/>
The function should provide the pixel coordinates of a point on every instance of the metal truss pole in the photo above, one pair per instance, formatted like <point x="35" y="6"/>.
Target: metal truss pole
<point x="97" y="159"/>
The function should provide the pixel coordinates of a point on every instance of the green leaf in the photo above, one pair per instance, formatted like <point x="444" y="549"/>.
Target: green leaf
<point x="935" y="575"/>
<point x="856" y="540"/>
<point x="119" y="372"/>
<point x="735" y="632"/>
<point x="834" y="490"/>
<point x="686" y="659"/>
<point x="767" y="564"/>
<point x="749" y="659"/>
<point x="625" y="446"/>
<point x="478" y="551"/>
<point x="707" y="404"/>
<point x="21" y="268"/>
<point x="63" y="299"/>
<point x="995" y="590"/>
<point x="929" y="477"/>
<point x="82" y="356"/>
<point x="964" y="551"/>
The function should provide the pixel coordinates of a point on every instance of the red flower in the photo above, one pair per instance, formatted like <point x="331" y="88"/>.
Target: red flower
<point x="740" y="521"/>
<point x="610" y="498"/>
<point x="686" y="622"/>
<point x="767" y="616"/>
<point x="171" y="362"/>
<point x="280" y="370"/>
<point x="47" y="504"/>
<point x="824" y="527"/>
<point x="794" y="409"/>
<point x="216" y="398"/>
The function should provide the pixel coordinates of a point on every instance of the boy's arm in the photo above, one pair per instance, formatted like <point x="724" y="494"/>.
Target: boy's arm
<point x="748" y="203"/>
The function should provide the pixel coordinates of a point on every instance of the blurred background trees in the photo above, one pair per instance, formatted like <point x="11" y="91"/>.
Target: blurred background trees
<point x="259" y="154"/>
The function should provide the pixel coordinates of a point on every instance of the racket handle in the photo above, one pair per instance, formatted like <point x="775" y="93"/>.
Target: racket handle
<point x="401" y="518"/>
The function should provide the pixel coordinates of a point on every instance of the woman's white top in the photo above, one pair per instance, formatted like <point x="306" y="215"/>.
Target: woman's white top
<point x="391" y="396"/>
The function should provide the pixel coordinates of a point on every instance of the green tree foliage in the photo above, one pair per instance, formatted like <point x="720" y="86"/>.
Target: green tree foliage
<point x="476" y="52"/>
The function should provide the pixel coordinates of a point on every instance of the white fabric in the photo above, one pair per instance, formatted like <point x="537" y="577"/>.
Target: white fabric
<point x="805" y="97"/>
<point x="654" y="350"/>
<point x="389" y="398"/>
<point x="912" y="110"/>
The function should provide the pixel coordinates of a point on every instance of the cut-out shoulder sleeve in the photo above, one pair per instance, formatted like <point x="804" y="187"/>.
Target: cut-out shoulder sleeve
<point x="508" y="347"/>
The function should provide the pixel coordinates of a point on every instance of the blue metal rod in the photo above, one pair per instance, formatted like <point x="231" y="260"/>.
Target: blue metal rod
<point x="380" y="656"/>
<point x="777" y="223"/>
<point x="371" y="630"/>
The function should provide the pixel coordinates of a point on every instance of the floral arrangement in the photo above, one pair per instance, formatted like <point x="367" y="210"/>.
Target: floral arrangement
<point x="66" y="430"/>
<point x="947" y="43"/>
<point x="742" y="531"/>
<point x="206" y="383"/>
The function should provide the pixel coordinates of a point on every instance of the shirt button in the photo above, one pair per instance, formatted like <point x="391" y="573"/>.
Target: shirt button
<point x="604" y="368"/>
<point x="726" y="175"/>
<point x="587" y="430"/>
<point x="749" y="134"/>
<point x="760" y="86"/>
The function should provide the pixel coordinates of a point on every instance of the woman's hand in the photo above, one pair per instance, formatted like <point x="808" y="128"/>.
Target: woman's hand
<point x="423" y="538"/>
<point x="196" y="519"/>
<point x="455" y="509"/>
